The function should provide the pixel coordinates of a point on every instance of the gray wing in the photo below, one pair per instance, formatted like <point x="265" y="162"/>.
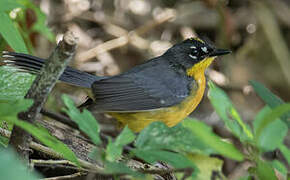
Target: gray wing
<point x="149" y="86"/>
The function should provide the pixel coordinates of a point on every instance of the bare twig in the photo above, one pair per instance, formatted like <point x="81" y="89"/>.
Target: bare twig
<point x="61" y="118"/>
<point x="71" y="176"/>
<point x="40" y="89"/>
<point x="125" y="39"/>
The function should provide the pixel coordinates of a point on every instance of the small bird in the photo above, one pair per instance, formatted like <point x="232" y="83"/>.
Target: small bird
<point x="166" y="88"/>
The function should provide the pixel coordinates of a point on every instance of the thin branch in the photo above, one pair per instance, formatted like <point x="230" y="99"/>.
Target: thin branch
<point x="65" y="164"/>
<point x="125" y="39"/>
<point x="71" y="176"/>
<point x="40" y="89"/>
<point x="59" y="117"/>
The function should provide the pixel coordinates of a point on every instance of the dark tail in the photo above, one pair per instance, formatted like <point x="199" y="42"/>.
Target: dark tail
<point x="32" y="65"/>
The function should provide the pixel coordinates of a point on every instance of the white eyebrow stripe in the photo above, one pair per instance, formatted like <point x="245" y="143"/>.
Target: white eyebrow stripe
<point x="192" y="47"/>
<point x="193" y="57"/>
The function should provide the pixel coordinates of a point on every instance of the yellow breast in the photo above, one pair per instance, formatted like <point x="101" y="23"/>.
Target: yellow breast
<point x="171" y="115"/>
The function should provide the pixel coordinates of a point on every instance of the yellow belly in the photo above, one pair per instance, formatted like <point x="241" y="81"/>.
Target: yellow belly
<point x="170" y="116"/>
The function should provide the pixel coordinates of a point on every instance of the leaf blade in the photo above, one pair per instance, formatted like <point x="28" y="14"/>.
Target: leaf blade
<point x="11" y="34"/>
<point x="204" y="133"/>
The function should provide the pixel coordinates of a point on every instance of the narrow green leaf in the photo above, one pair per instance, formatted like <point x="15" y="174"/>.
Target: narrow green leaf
<point x="9" y="111"/>
<point x="114" y="149"/>
<point x="174" y="159"/>
<point x="205" y="134"/>
<point x="265" y="171"/>
<point x="273" y="135"/>
<point x="286" y="152"/>
<point x="228" y="113"/>
<point x="120" y="168"/>
<point x="10" y="164"/>
<point x="85" y="120"/>
<point x="280" y="167"/>
<point x="44" y="137"/>
<point x="11" y="34"/>
<point x="269" y="98"/>
<point x="178" y="138"/>
<point x="270" y="117"/>
<point x="113" y="152"/>
<point x="125" y="137"/>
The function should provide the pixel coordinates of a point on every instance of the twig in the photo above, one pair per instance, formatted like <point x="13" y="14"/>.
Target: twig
<point x="5" y="133"/>
<point x="61" y="118"/>
<point x="65" y="164"/>
<point x="123" y="40"/>
<point x="78" y="174"/>
<point x="40" y="89"/>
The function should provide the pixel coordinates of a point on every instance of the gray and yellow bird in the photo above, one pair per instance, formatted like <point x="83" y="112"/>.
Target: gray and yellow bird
<point x="166" y="88"/>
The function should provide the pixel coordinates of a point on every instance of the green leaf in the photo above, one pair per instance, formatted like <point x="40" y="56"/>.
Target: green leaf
<point x="9" y="111"/>
<point x="273" y="135"/>
<point x="270" y="117"/>
<point x="8" y="5"/>
<point x="265" y="171"/>
<point x="269" y="98"/>
<point x="44" y="137"/>
<point x="3" y="141"/>
<point x="280" y="167"/>
<point x="85" y="120"/>
<point x="174" y="159"/>
<point x="159" y="136"/>
<point x="114" y="149"/>
<point x="13" y="85"/>
<point x="205" y="134"/>
<point x="126" y="137"/>
<point x="286" y="152"/>
<point x="225" y="109"/>
<point x="13" y="107"/>
<point x="120" y="168"/>
<point x="209" y="167"/>
<point x="11" y="34"/>
<point x="10" y="164"/>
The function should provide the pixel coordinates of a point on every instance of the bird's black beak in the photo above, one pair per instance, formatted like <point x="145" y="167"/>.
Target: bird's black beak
<point x="219" y="52"/>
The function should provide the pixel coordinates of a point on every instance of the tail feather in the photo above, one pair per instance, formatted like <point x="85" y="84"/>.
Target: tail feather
<point x="33" y="65"/>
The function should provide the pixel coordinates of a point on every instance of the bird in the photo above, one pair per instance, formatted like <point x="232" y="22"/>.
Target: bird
<point x="166" y="88"/>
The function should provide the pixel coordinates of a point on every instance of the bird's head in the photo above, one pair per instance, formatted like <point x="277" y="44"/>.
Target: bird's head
<point x="194" y="54"/>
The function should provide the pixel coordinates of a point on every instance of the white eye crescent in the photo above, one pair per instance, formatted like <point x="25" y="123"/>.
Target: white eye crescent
<point x="192" y="47"/>
<point x="204" y="49"/>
